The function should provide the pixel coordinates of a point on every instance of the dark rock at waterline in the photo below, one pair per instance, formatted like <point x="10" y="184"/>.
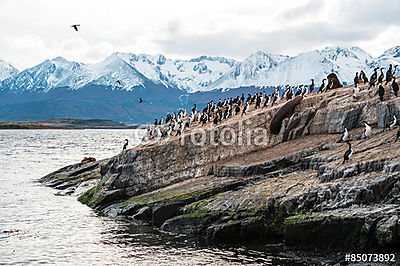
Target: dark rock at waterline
<point x="297" y="192"/>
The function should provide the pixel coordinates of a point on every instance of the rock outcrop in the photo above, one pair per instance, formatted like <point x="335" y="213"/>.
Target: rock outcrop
<point x="252" y="185"/>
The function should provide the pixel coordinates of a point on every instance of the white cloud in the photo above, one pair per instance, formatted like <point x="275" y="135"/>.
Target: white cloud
<point x="35" y="30"/>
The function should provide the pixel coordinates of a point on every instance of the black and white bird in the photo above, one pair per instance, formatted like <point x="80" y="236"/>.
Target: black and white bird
<point x="363" y="77"/>
<point x="312" y="86"/>
<point x="356" y="92"/>
<point x="322" y="87"/>
<point x="125" y="145"/>
<point x="367" y="130"/>
<point x="356" y="79"/>
<point x="75" y="26"/>
<point x="245" y="108"/>
<point x="394" y="123"/>
<point x="348" y="153"/>
<point x="345" y="136"/>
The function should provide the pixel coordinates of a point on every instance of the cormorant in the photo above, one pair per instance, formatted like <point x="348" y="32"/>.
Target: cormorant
<point x="373" y="78"/>
<point x="395" y="87"/>
<point x="125" y="145"/>
<point x="389" y="74"/>
<point x="299" y="90"/>
<point x="356" y="80"/>
<point x="322" y="87"/>
<point x="245" y="108"/>
<point x="312" y="85"/>
<point x="345" y="136"/>
<point x="394" y="122"/>
<point x="363" y="77"/>
<point x="367" y="130"/>
<point x="348" y="153"/>
<point x="381" y="76"/>
<point x="75" y="26"/>
<point x="237" y="109"/>
<point x="356" y="92"/>
<point x="194" y="109"/>
<point x="381" y="91"/>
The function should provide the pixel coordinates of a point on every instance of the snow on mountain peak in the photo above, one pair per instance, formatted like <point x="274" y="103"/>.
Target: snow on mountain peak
<point x="126" y="71"/>
<point x="7" y="70"/>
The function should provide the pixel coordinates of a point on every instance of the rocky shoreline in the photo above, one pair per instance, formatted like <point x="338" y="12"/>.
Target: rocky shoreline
<point x="293" y="189"/>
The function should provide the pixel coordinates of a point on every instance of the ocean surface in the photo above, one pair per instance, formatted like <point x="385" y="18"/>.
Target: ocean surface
<point x="38" y="227"/>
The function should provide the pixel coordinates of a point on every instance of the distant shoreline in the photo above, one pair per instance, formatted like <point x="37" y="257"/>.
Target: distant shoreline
<point x="67" y="123"/>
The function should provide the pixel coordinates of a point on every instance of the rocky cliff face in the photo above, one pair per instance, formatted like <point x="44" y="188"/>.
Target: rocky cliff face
<point x="252" y="185"/>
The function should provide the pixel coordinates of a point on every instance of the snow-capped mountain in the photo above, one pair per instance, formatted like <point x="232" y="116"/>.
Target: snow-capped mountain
<point x="253" y="71"/>
<point x="7" y="70"/>
<point x="263" y="69"/>
<point x="61" y="73"/>
<point x="127" y="71"/>
<point x="191" y="76"/>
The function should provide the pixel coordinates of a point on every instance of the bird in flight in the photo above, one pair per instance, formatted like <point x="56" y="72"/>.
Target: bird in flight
<point x="75" y="26"/>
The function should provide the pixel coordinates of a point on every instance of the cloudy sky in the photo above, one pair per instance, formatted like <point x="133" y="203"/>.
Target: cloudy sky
<point x="32" y="31"/>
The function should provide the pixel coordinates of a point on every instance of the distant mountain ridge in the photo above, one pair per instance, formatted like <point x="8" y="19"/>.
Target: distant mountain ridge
<point x="127" y="71"/>
<point x="111" y="89"/>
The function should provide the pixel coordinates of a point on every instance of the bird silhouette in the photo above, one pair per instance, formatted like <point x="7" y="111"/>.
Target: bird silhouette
<point x="75" y="26"/>
<point x="119" y="83"/>
<point x="140" y="100"/>
<point x="125" y="145"/>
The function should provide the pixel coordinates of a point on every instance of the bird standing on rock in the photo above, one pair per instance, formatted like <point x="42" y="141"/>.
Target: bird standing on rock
<point x="373" y="78"/>
<point x="312" y="86"/>
<point x="347" y="154"/>
<point x="356" y="92"/>
<point x="367" y="130"/>
<point x="381" y="76"/>
<point x="395" y="87"/>
<point x="363" y="77"/>
<point x="389" y="74"/>
<point x="245" y="108"/>
<point x="394" y="122"/>
<point x="356" y="80"/>
<point x="125" y="145"/>
<point x="345" y="136"/>
<point x="381" y="91"/>
<point x="322" y="87"/>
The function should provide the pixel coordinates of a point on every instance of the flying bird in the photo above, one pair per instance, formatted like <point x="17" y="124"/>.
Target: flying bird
<point x="75" y="26"/>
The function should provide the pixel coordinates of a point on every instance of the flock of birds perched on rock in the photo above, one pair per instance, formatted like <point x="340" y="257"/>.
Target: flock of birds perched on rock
<point x="216" y="112"/>
<point x="224" y="109"/>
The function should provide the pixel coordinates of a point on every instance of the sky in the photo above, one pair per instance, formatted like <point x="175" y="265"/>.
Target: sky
<point x="35" y="30"/>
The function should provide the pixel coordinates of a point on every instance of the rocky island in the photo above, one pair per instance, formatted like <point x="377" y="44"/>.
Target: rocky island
<point x="293" y="188"/>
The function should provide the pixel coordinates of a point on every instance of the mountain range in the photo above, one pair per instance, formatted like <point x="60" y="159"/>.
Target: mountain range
<point x="110" y="89"/>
